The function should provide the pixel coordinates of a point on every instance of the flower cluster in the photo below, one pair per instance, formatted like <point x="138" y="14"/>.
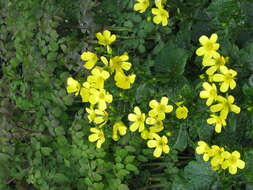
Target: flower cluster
<point x="154" y="120"/>
<point x="93" y="90"/>
<point x="220" y="159"/>
<point x="161" y="15"/>
<point x="220" y="106"/>
<point x="217" y="72"/>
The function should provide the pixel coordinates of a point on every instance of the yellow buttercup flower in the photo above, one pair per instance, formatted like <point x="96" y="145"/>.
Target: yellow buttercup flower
<point x="85" y="91"/>
<point x="181" y="112"/>
<point x="90" y="58"/>
<point x="141" y="6"/>
<point x="159" y="109"/>
<point x="214" y="63"/>
<point x="204" y="149"/>
<point x="218" y="121"/>
<point x="161" y="16"/>
<point x="226" y="77"/>
<point x="138" y="118"/>
<point x="97" y="78"/>
<point x="106" y="39"/>
<point x="97" y="116"/>
<point x="91" y="114"/>
<point x="217" y="155"/>
<point x="233" y="162"/>
<point x="156" y="126"/>
<point x="97" y="136"/>
<point x="160" y="3"/>
<point x="120" y="63"/>
<point x="210" y="92"/>
<point x="73" y="86"/>
<point x="123" y="81"/>
<point x="225" y="106"/>
<point x="160" y="145"/>
<point x="101" y="116"/>
<point x="120" y="128"/>
<point x="145" y="134"/>
<point x="101" y="97"/>
<point x="209" y="46"/>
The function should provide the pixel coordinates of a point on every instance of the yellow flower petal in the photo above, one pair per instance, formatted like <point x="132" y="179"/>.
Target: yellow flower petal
<point x="157" y="153"/>
<point x="152" y="143"/>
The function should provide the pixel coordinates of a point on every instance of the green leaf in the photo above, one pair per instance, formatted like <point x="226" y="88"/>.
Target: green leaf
<point x="46" y="151"/>
<point x="131" y="167"/>
<point x="200" y="175"/>
<point x="171" y="60"/>
<point x="181" y="141"/>
<point x="60" y="178"/>
<point x="123" y="187"/>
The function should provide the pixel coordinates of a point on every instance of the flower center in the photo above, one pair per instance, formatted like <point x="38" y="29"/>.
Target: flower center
<point x="102" y="96"/>
<point x="228" y="77"/>
<point x="139" y="119"/>
<point x="209" y="46"/>
<point x="161" y="108"/>
<point x="213" y="92"/>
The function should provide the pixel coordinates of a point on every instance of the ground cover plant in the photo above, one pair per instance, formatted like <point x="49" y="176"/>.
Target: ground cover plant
<point x="126" y="94"/>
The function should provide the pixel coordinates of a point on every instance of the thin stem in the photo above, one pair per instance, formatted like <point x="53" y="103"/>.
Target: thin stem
<point x="33" y="132"/>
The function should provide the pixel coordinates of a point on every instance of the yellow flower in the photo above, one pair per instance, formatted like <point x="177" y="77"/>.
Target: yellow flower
<point x="210" y="92"/>
<point x="120" y="128"/>
<point x="227" y="78"/>
<point x="97" y="78"/>
<point x="97" y="116"/>
<point x="161" y="16"/>
<point x="106" y="39"/>
<point x="101" y="97"/>
<point x="123" y="81"/>
<point x="90" y="58"/>
<point x="159" y="109"/>
<point x="233" y="162"/>
<point x="204" y="149"/>
<point x="91" y="114"/>
<point x="160" y="145"/>
<point x="141" y="6"/>
<point x="217" y="155"/>
<point x="218" y="121"/>
<point x="145" y="134"/>
<point x="156" y="126"/>
<point x="97" y="136"/>
<point x="225" y="106"/>
<point x="160" y="3"/>
<point x="181" y="112"/>
<point x="120" y="63"/>
<point x="85" y="91"/>
<point x="73" y="86"/>
<point x="209" y="46"/>
<point x="138" y="118"/>
<point x="214" y="63"/>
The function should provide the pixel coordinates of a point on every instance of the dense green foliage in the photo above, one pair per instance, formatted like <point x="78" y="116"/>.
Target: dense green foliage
<point x="44" y="131"/>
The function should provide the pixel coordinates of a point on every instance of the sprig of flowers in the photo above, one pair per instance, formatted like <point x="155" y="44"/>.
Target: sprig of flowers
<point x="154" y="119"/>
<point x="220" y="159"/>
<point x="220" y="106"/>
<point x="161" y="15"/>
<point x="93" y="90"/>
<point x="217" y="72"/>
